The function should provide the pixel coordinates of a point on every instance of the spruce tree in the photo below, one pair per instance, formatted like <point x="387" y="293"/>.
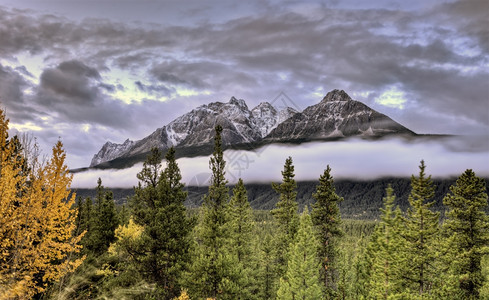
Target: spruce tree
<point x="214" y="273"/>
<point x="241" y="226"/>
<point x="421" y="227"/>
<point x="285" y="214"/>
<point x="266" y="267"/>
<point x="327" y="221"/>
<point x="467" y="231"/>
<point x="301" y="280"/>
<point x="385" y="280"/>
<point x="106" y="217"/>
<point x="158" y="206"/>
<point x="100" y="220"/>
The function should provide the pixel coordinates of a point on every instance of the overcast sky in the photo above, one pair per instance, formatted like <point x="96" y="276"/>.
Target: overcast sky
<point x="92" y="71"/>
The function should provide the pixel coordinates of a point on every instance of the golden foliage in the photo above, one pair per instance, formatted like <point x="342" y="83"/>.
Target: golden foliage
<point x="36" y="221"/>
<point x="183" y="296"/>
<point x="127" y="237"/>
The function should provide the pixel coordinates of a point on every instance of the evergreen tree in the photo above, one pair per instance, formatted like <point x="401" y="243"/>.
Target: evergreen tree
<point x="99" y="220"/>
<point x="467" y="231"/>
<point x="419" y="234"/>
<point x="285" y="214"/>
<point x="266" y="268"/>
<point x="158" y="206"/>
<point x="106" y="217"/>
<point x="86" y="222"/>
<point x="213" y="272"/>
<point x="385" y="279"/>
<point x="327" y="221"/>
<point x="301" y="280"/>
<point x="241" y="225"/>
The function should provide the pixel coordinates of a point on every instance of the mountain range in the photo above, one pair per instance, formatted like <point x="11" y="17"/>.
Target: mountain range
<point x="335" y="117"/>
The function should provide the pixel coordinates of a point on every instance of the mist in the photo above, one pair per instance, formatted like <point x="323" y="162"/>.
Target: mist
<point x="348" y="159"/>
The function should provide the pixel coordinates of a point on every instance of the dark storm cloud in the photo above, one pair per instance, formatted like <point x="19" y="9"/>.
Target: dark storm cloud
<point x="72" y="80"/>
<point x="73" y="92"/>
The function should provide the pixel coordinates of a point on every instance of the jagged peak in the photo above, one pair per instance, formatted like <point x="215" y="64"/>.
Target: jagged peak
<point x="336" y="95"/>
<point x="108" y="143"/>
<point x="239" y="102"/>
<point x="263" y="104"/>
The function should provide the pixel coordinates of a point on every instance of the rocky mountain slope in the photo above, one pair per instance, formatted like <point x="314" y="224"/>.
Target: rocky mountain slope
<point x="336" y="116"/>
<point x="196" y="128"/>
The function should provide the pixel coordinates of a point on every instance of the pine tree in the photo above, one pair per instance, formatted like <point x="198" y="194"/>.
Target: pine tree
<point x="301" y="280"/>
<point x="420" y="233"/>
<point x="266" y="267"/>
<point x="241" y="225"/>
<point x="285" y="214"/>
<point x="385" y="279"/>
<point x="102" y="221"/>
<point x="327" y="221"/>
<point x="85" y="221"/>
<point x="213" y="272"/>
<point x="37" y="221"/>
<point x="158" y="206"/>
<point x="467" y="231"/>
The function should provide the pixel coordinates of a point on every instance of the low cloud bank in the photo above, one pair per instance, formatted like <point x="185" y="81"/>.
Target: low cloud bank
<point x="357" y="159"/>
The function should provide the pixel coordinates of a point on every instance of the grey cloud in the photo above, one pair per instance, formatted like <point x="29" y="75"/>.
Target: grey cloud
<point x="107" y="87"/>
<point x="23" y="70"/>
<point x="133" y="61"/>
<point x="470" y="17"/>
<point x="12" y="96"/>
<point x="200" y="74"/>
<point x="256" y="55"/>
<point x="73" y="80"/>
<point x="160" y="90"/>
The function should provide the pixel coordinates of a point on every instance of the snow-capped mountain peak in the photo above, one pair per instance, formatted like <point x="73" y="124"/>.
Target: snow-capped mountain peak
<point x="335" y="116"/>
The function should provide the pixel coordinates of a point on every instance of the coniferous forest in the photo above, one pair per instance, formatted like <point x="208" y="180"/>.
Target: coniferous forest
<point x="56" y="246"/>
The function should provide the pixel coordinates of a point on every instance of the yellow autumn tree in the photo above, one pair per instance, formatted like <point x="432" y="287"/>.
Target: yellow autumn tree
<point x="36" y="221"/>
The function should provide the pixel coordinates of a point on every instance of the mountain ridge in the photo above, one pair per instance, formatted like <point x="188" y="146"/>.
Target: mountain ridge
<point x="335" y="117"/>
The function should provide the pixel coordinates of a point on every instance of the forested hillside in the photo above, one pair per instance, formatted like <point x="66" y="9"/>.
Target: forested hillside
<point x="155" y="247"/>
<point x="362" y="198"/>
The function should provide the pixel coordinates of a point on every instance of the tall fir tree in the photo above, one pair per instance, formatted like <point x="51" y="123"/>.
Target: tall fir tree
<point x="105" y="219"/>
<point x="97" y="221"/>
<point x="421" y="228"/>
<point x="159" y="208"/>
<point x="301" y="280"/>
<point x="285" y="215"/>
<point x="213" y="272"/>
<point x="266" y="267"/>
<point x="327" y="222"/>
<point x="385" y="280"/>
<point x="84" y="221"/>
<point x="241" y="226"/>
<point x="467" y="234"/>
